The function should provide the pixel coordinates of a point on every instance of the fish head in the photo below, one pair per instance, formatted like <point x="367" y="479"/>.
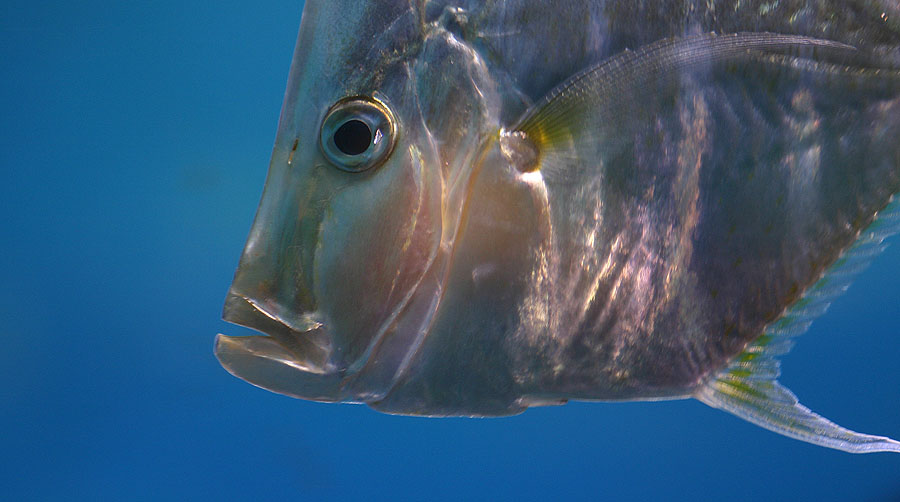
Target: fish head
<point x="352" y="214"/>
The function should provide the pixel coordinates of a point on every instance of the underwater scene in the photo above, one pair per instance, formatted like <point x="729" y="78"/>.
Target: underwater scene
<point x="665" y="226"/>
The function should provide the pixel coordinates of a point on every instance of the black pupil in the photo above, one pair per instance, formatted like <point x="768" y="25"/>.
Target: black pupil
<point x="353" y="138"/>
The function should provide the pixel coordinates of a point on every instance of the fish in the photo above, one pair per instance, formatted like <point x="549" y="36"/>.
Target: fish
<point x="474" y="207"/>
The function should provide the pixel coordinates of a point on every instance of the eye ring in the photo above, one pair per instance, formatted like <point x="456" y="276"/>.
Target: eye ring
<point x="358" y="134"/>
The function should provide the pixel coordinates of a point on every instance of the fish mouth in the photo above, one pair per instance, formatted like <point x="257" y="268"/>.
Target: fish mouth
<point x="291" y="357"/>
<point x="307" y="341"/>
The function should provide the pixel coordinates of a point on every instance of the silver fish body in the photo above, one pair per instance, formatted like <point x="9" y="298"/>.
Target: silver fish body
<point x="593" y="200"/>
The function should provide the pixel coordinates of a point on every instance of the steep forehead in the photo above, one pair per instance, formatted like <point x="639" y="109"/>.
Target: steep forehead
<point x="350" y="41"/>
<point x="344" y="48"/>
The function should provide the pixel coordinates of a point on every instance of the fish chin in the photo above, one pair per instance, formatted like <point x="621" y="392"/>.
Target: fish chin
<point x="291" y="356"/>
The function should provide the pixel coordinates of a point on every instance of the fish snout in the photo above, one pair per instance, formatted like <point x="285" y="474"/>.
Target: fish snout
<point x="291" y="356"/>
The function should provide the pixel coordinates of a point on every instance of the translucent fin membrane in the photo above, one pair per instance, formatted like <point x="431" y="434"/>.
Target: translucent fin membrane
<point x="627" y="89"/>
<point x="748" y="387"/>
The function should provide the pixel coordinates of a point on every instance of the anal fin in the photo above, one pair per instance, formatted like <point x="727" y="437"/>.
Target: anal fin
<point x="768" y="404"/>
<point x="748" y="387"/>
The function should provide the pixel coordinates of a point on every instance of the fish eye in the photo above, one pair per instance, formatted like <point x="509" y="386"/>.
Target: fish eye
<point x="358" y="134"/>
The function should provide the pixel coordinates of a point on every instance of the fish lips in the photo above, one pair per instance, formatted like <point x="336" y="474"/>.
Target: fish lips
<point x="291" y="358"/>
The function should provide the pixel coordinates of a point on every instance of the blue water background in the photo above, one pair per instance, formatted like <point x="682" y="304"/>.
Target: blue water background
<point x="135" y="141"/>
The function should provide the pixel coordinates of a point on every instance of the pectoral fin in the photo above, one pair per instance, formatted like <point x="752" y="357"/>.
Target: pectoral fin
<point x="597" y="111"/>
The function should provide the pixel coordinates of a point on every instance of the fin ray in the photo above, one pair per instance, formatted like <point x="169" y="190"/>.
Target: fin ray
<point x="748" y="387"/>
<point x="608" y="92"/>
<point x="773" y="407"/>
<point x="595" y="110"/>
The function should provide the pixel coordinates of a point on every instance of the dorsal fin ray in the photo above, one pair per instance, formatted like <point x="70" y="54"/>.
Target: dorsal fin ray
<point x="748" y="387"/>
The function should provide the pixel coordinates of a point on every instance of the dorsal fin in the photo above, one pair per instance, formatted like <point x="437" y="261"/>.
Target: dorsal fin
<point x="748" y="387"/>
